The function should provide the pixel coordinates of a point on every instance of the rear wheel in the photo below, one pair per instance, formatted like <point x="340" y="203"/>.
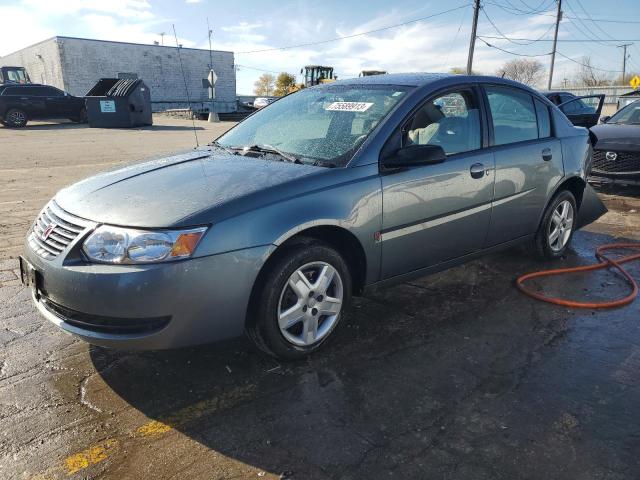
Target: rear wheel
<point x="16" y="118"/>
<point x="301" y="301"/>
<point x="558" y="224"/>
<point x="81" y="118"/>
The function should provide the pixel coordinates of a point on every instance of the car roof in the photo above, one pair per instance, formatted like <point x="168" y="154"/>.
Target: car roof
<point x="424" y="79"/>
<point x="556" y="92"/>
<point x="408" y="79"/>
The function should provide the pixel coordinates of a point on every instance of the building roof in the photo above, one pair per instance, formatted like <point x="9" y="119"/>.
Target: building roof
<point x="60" y="37"/>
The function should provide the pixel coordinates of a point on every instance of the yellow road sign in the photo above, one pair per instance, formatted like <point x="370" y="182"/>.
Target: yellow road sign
<point x="635" y="82"/>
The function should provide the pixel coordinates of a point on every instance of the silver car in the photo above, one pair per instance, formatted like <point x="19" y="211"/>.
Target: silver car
<point x="324" y="194"/>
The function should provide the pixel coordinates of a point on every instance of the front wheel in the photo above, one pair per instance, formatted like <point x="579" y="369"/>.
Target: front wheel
<point x="557" y="226"/>
<point x="16" y="118"/>
<point x="301" y="301"/>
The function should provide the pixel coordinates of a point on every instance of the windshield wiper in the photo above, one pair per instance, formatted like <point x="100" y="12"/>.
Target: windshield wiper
<point x="271" y="149"/>
<point x="226" y="149"/>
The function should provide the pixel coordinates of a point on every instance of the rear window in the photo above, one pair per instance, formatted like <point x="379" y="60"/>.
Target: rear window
<point x="544" y="122"/>
<point x="513" y="113"/>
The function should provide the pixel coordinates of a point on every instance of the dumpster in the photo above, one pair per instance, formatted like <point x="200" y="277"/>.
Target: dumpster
<point x="119" y="103"/>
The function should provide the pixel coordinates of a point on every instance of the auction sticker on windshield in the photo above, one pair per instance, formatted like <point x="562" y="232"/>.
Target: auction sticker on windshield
<point x="349" y="106"/>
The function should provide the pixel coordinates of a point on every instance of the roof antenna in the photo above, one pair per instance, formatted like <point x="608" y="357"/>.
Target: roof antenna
<point x="186" y="88"/>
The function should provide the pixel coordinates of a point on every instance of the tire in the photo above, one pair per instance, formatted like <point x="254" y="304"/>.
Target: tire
<point x="81" y="118"/>
<point x="307" y="268"/>
<point x="16" y="118"/>
<point x="556" y="231"/>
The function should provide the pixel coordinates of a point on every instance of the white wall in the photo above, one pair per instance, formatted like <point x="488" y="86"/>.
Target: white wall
<point x="75" y="65"/>
<point x="44" y="69"/>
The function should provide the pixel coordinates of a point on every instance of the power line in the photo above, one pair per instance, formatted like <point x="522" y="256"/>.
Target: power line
<point x="588" y="66"/>
<point x="587" y="31"/>
<point x="566" y="40"/>
<point x="255" y="68"/>
<point x="509" y="52"/>
<point x="335" y="39"/>
<point x="514" y="40"/>
<point x="544" y="14"/>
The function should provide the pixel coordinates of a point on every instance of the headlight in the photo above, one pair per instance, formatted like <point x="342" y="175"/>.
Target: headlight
<point x="126" y="245"/>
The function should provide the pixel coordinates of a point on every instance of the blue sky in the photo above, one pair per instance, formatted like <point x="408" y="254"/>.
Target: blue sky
<point x="433" y="44"/>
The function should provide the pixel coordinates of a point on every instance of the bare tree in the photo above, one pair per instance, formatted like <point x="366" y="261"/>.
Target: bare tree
<point x="264" y="85"/>
<point x="528" y="71"/>
<point x="589" y="76"/>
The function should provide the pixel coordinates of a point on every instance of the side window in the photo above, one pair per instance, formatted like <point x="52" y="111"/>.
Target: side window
<point x="544" y="122"/>
<point x="451" y="120"/>
<point x="513" y="113"/>
<point x="35" y="92"/>
<point x="52" y="92"/>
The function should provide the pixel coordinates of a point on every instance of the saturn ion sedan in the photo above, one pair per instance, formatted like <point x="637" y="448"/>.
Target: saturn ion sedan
<point x="324" y="194"/>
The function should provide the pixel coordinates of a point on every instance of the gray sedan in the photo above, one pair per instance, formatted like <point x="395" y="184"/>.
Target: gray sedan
<point x="319" y="196"/>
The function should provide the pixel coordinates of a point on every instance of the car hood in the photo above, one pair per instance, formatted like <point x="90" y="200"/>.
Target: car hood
<point x="617" y="137"/>
<point x="161" y="193"/>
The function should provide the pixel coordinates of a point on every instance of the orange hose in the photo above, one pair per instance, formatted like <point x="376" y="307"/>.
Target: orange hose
<point x="604" y="262"/>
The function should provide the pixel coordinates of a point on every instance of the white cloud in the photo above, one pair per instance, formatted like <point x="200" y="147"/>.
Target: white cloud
<point x="31" y="21"/>
<point x="193" y="1"/>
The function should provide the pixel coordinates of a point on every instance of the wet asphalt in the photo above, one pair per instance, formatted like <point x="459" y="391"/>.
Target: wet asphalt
<point x="453" y="376"/>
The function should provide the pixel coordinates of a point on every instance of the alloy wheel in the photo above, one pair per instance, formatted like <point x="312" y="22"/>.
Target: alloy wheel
<point x="16" y="118"/>
<point x="310" y="303"/>
<point x="560" y="226"/>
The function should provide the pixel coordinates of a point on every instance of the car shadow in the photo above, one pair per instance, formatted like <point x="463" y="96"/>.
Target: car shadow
<point x="432" y="368"/>
<point x="72" y="126"/>
<point x="54" y="125"/>
<point x="617" y="189"/>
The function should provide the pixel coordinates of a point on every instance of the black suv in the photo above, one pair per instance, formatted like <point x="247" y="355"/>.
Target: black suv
<point x="21" y="103"/>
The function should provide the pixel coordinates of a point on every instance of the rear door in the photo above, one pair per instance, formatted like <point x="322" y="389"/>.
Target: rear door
<point x="433" y="213"/>
<point x="582" y="111"/>
<point x="528" y="161"/>
<point x="58" y="105"/>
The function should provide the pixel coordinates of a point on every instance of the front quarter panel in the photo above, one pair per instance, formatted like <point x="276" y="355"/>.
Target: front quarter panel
<point x="349" y="198"/>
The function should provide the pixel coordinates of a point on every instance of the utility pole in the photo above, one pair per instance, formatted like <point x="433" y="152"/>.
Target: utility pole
<point x="555" y="42"/>
<point x="162" y="34"/>
<point x="624" y="60"/>
<point x="472" y="43"/>
<point x="213" y="116"/>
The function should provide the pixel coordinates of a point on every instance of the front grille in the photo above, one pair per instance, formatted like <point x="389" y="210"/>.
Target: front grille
<point x="54" y="230"/>
<point x="625" y="162"/>
<point x="100" y="324"/>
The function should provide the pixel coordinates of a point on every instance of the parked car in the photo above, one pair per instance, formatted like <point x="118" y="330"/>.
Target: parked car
<point x="616" y="155"/>
<point x="262" y="102"/>
<point x="21" y="103"/>
<point x="583" y="111"/>
<point x="338" y="189"/>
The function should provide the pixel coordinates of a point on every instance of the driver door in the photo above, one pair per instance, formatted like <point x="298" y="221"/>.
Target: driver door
<point x="583" y="111"/>
<point x="434" y="213"/>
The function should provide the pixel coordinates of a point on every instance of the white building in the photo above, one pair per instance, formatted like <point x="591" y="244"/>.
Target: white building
<point x="75" y="64"/>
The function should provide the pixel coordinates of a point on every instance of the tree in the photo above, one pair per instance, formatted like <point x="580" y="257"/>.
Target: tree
<point x="627" y="78"/>
<point x="283" y="82"/>
<point x="264" y="85"/>
<point x="589" y="76"/>
<point x="528" y="71"/>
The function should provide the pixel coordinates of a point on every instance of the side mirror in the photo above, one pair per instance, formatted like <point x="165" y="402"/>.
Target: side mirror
<point x="413" y="155"/>
<point x="605" y="119"/>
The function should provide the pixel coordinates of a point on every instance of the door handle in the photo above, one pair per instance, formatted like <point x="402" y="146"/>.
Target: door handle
<point x="477" y="170"/>
<point x="546" y="154"/>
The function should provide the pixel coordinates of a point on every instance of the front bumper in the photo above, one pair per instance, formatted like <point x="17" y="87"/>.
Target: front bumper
<point x="196" y="301"/>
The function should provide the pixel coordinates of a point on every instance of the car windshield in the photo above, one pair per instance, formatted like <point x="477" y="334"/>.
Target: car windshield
<point x="629" y="115"/>
<point x="317" y="125"/>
